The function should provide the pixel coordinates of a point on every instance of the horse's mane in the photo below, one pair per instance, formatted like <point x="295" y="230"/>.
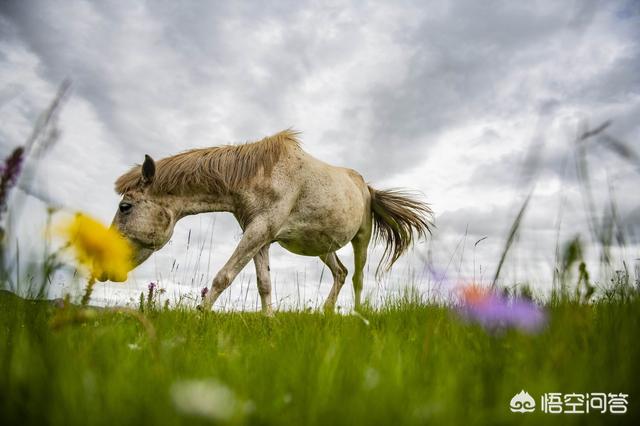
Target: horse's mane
<point x="217" y="169"/>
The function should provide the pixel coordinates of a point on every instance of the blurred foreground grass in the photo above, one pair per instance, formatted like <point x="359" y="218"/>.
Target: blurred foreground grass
<point x="411" y="364"/>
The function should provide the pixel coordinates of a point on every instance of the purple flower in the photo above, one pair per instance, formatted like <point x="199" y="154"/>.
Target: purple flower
<point x="152" y="286"/>
<point x="9" y="173"/>
<point x="203" y="292"/>
<point x="496" y="312"/>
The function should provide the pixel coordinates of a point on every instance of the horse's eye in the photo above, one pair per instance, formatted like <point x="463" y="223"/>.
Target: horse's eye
<point x="125" y="207"/>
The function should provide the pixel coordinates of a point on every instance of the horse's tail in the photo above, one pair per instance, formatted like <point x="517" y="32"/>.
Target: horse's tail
<point x="397" y="216"/>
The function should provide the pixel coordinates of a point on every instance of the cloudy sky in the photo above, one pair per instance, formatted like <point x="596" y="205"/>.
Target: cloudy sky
<point x="475" y="104"/>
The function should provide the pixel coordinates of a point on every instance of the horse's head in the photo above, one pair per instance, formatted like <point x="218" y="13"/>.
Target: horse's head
<point x="145" y="219"/>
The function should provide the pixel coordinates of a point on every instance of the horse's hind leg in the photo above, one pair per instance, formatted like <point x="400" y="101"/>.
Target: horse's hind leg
<point x="339" y="272"/>
<point x="360" y="244"/>
<point x="261" y="261"/>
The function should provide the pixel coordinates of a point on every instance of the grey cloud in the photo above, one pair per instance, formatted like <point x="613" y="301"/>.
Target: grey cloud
<point x="550" y="157"/>
<point x="212" y="49"/>
<point x="460" y="59"/>
<point x="630" y="225"/>
<point x="473" y="63"/>
<point x="478" y="221"/>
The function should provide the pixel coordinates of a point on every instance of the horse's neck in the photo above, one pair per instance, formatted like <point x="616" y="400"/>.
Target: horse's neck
<point x="196" y="204"/>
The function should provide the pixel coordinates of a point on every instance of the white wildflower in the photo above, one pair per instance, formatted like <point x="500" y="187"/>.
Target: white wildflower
<point x="204" y="398"/>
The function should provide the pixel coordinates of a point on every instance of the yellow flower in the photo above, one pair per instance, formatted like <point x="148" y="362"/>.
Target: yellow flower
<point x="100" y="249"/>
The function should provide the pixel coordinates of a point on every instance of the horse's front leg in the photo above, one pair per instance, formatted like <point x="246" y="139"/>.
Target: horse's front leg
<point x="255" y="236"/>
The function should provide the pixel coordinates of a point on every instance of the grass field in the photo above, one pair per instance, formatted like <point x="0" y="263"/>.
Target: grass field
<point x="407" y="363"/>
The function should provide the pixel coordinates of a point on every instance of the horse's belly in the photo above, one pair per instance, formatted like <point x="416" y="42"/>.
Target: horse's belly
<point x="312" y="243"/>
<point x="318" y="232"/>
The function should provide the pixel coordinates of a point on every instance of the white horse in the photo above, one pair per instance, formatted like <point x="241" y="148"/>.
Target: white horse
<point x="278" y="193"/>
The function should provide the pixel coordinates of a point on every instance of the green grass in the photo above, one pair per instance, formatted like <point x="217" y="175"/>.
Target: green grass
<point x="413" y="364"/>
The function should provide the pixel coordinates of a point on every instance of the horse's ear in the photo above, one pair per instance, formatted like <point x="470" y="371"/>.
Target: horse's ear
<point x="148" y="170"/>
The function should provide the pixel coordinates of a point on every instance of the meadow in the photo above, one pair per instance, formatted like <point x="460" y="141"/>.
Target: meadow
<point x="406" y="363"/>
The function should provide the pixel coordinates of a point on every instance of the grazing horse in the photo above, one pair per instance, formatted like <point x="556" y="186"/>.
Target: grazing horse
<point x="278" y="193"/>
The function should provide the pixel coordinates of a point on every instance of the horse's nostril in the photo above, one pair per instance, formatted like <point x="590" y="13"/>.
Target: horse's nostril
<point x="125" y="207"/>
